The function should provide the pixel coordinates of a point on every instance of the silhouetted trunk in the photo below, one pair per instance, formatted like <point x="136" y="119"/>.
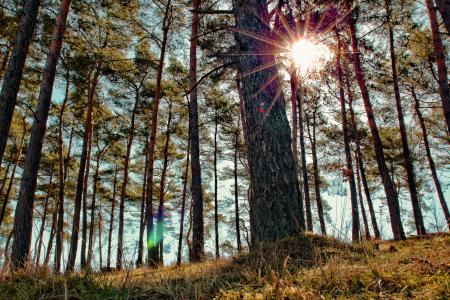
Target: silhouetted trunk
<point x="111" y="220"/>
<point x="236" y="190"/>
<point x="24" y="209"/>
<point x="312" y="139"/>
<point x="183" y="202"/>
<point x="216" y="208"/>
<point x="7" y="258"/>
<point x="152" y="257"/>
<point x="440" y="62"/>
<point x="434" y="174"/>
<point x="348" y="155"/>
<point x="13" y="174"/>
<point x="5" y="178"/>
<point x="44" y="219"/>
<point x="444" y="8"/>
<point x="84" y="230"/>
<point x="13" y="75"/>
<point x="361" y="202"/>
<point x="301" y="128"/>
<point x="391" y="195"/>
<point x="360" y="163"/>
<point x="272" y="167"/>
<point x="80" y="179"/>
<point x="100" y="229"/>
<point x="5" y="61"/>
<point x="197" y="249"/>
<point x="93" y="208"/>
<point x="52" y="234"/>
<point x="123" y="192"/>
<point x="139" y="261"/>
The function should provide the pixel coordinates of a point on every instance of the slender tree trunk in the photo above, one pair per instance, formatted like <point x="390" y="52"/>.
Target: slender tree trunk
<point x="360" y="164"/>
<point x="93" y="208"/>
<point x="5" y="61"/>
<point x="24" y="210"/>
<point x="84" y="229"/>
<point x="52" y="234"/>
<point x="312" y="139"/>
<point x="139" y="261"/>
<point x="44" y="219"/>
<point x="216" y="205"/>
<point x="348" y="155"/>
<point x="444" y="8"/>
<point x="151" y="243"/>
<point x="5" y="178"/>
<point x="417" y="211"/>
<point x="80" y="179"/>
<point x="183" y="202"/>
<point x="7" y="262"/>
<point x="391" y="195"/>
<point x="14" y="71"/>
<point x="273" y="174"/>
<point x="301" y="99"/>
<point x="434" y="174"/>
<point x="198" y="250"/>
<point x="440" y="61"/>
<point x="361" y="201"/>
<point x="123" y="192"/>
<point x="100" y="231"/>
<point x="236" y="190"/>
<point x="111" y="220"/>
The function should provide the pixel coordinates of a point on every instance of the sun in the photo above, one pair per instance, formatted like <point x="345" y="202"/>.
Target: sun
<point x="308" y="55"/>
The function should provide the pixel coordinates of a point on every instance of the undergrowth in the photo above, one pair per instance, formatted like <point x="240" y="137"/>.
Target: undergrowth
<point x="303" y="267"/>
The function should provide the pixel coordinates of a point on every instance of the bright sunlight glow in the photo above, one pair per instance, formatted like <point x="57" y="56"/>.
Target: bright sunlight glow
<point x="309" y="56"/>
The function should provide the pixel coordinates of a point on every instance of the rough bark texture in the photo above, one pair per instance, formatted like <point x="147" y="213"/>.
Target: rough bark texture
<point x="198" y="250"/>
<point x="391" y="194"/>
<point x="348" y="155"/>
<point x="24" y="211"/>
<point x="434" y="174"/>
<point x="14" y="71"/>
<point x="444" y="8"/>
<point x="417" y="211"/>
<point x="439" y="52"/>
<point x="272" y="167"/>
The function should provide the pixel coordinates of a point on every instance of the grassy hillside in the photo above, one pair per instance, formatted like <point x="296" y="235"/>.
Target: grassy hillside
<point x="308" y="267"/>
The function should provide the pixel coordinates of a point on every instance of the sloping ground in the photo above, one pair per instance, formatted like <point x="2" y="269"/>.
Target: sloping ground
<point x="308" y="267"/>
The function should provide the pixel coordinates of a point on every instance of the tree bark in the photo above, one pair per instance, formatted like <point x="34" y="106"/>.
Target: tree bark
<point x="391" y="195"/>
<point x="417" y="211"/>
<point x="444" y="8"/>
<point x="93" y="208"/>
<point x="24" y="211"/>
<point x="14" y="71"/>
<point x="434" y="174"/>
<point x="216" y="205"/>
<point x="272" y="167"/>
<point x="236" y="190"/>
<point x="183" y="202"/>
<point x="5" y="61"/>
<point x="440" y="61"/>
<point x="139" y="261"/>
<point x="111" y="220"/>
<point x="361" y="201"/>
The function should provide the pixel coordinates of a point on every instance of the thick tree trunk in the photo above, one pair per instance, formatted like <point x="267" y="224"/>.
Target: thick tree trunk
<point x="198" y="250"/>
<point x="183" y="202"/>
<point x="312" y="139"/>
<point x="391" y="195"/>
<point x="24" y="210"/>
<point x="434" y="174"/>
<point x="93" y="208"/>
<point x="216" y="205"/>
<point x="444" y="8"/>
<point x="236" y="191"/>
<point x="361" y="201"/>
<point x="80" y="179"/>
<point x="14" y="72"/>
<point x="348" y="155"/>
<point x="111" y="220"/>
<point x="301" y="128"/>
<point x="84" y="229"/>
<point x="272" y="167"/>
<point x="417" y="211"/>
<point x="123" y="192"/>
<point x="440" y="61"/>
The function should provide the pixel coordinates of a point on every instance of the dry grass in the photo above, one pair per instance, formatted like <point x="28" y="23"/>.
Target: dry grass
<point x="306" y="267"/>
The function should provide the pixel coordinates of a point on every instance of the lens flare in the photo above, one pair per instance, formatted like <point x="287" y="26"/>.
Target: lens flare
<point x="309" y="56"/>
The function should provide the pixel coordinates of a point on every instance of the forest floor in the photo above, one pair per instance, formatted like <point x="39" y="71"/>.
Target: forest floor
<point x="306" y="267"/>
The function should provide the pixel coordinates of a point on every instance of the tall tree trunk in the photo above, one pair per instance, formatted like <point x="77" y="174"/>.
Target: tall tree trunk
<point x="13" y="173"/>
<point x="312" y="139"/>
<point x="417" y="211"/>
<point x="444" y="8"/>
<point x="139" y="261"/>
<point x="84" y="229"/>
<point x="52" y="234"/>
<point x="93" y="208"/>
<point x="161" y="210"/>
<point x="348" y="155"/>
<point x="183" y="202"/>
<point x="14" y="71"/>
<point x="7" y="261"/>
<point x="434" y="174"/>
<point x="5" y="178"/>
<point x="391" y="195"/>
<point x="301" y="127"/>
<point x="216" y="205"/>
<point x="272" y="167"/>
<point x="5" y="61"/>
<point x="198" y="251"/>
<point x="111" y="220"/>
<point x="440" y="61"/>
<point x="24" y="210"/>
<point x="80" y="179"/>
<point x="361" y="200"/>
<point x="123" y="191"/>
<point x="44" y="219"/>
<point x="236" y="190"/>
<point x="100" y="230"/>
<point x="360" y="164"/>
<point x="151" y="245"/>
